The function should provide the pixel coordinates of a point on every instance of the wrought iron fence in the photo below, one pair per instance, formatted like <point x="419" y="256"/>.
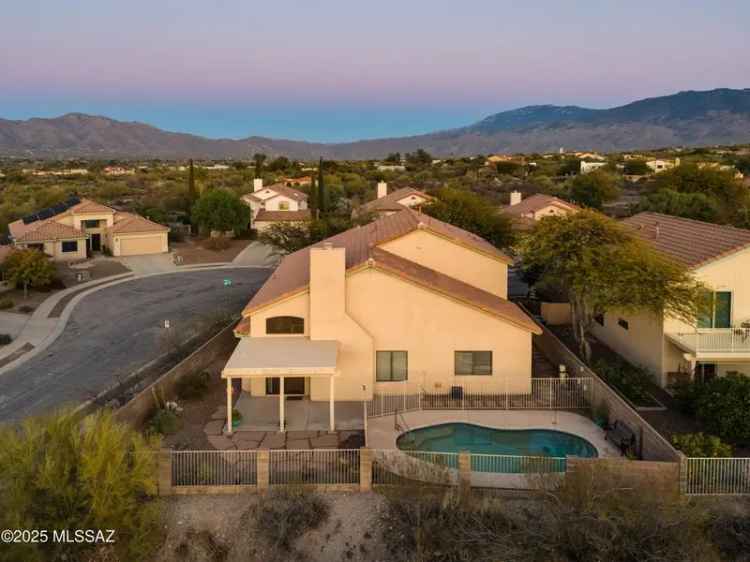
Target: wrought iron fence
<point x="717" y="476"/>
<point x="315" y="466"/>
<point x="214" y="468"/>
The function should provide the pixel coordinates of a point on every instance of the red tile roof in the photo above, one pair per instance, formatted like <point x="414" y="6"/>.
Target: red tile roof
<point x="690" y="242"/>
<point x="129" y="223"/>
<point x="50" y="230"/>
<point x="390" y="202"/>
<point x="293" y="273"/>
<point x="283" y="216"/>
<point x="536" y="203"/>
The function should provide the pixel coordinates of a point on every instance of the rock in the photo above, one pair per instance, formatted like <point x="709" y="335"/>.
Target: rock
<point x="214" y="427"/>
<point x="221" y="443"/>
<point x="294" y="444"/>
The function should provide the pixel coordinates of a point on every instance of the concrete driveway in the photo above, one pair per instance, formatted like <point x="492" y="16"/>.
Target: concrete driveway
<point x="145" y="265"/>
<point x="117" y="330"/>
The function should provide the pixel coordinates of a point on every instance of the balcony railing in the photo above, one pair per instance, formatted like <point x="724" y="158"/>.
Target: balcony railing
<point x="715" y="340"/>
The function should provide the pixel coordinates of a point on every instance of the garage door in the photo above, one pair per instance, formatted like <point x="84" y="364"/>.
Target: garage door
<point x="141" y="246"/>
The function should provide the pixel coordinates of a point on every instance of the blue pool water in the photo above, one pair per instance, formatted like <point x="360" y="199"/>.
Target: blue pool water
<point x="456" y="437"/>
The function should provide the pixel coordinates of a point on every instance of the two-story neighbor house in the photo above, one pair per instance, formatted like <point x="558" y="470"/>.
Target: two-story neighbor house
<point x="404" y="299"/>
<point x="76" y="227"/>
<point x="276" y="203"/>
<point x="526" y="212"/>
<point x="716" y="343"/>
<point x="395" y="201"/>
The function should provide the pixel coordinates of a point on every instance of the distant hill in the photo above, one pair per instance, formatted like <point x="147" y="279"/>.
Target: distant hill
<point x="690" y="118"/>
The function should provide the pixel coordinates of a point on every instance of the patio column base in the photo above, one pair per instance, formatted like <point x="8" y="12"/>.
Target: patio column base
<point x="229" y="406"/>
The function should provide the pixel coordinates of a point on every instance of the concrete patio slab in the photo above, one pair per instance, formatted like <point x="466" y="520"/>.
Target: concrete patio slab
<point x="261" y="413"/>
<point x="221" y="443"/>
<point x="214" y="427"/>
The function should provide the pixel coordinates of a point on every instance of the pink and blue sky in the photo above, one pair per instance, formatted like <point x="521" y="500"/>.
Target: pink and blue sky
<point x="333" y="70"/>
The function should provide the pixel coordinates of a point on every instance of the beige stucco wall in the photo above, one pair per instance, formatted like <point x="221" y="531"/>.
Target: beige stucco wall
<point x="53" y="249"/>
<point x="431" y="327"/>
<point x="433" y="251"/>
<point x="275" y="204"/>
<point x="641" y="344"/>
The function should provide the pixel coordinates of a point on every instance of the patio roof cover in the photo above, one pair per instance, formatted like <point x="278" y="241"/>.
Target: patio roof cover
<point x="293" y="356"/>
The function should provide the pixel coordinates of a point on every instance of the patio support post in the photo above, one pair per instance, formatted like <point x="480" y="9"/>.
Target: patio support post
<point x="281" y="403"/>
<point x="330" y="406"/>
<point x="229" y="406"/>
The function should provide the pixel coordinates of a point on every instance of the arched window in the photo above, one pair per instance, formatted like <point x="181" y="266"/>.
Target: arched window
<point x="285" y="325"/>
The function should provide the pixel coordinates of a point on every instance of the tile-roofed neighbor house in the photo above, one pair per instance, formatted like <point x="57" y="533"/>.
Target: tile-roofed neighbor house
<point x="404" y="300"/>
<point x="691" y="242"/>
<point x="72" y="232"/>
<point x="537" y="206"/>
<point x="715" y="343"/>
<point x="398" y="200"/>
<point x="268" y="205"/>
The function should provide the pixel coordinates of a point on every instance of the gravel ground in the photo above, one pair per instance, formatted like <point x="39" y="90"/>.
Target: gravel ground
<point x="220" y="528"/>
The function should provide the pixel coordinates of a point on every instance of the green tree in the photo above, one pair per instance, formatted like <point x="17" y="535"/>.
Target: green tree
<point x="312" y="198"/>
<point x="701" y="445"/>
<point x="569" y="167"/>
<point x="508" y="168"/>
<point x="322" y="195"/>
<point x="636" y="168"/>
<point x="290" y="237"/>
<point x="393" y="158"/>
<point x="470" y="212"/>
<point x="419" y="158"/>
<point x="601" y="266"/>
<point x="721" y="404"/>
<point x="59" y="472"/>
<point x="259" y="158"/>
<point x="192" y="192"/>
<point x="593" y="190"/>
<point x="221" y="210"/>
<point x="698" y="206"/>
<point x="279" y="164"/>
<point x="28" y="268"/>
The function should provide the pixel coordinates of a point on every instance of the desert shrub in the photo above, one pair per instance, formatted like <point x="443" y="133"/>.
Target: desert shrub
<point x="730" y="532"/>
<point x="634" y="382"/>
<point x="6" y="303"/>
<point x="217" y="243"/>
<point x="26" y="309"/>
<point x="201" y="545"/>
<point x="61" y="472"/>
<point x="701" y="445"/>
<point x="721" y="404"/>
<point x="165" y="422"/>
<point x="5" y="339"/>
<point x="286" y="513"/>
<point x="193" y="385"/>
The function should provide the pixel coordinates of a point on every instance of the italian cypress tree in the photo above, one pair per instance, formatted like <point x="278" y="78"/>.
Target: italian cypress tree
<point x="192" y="193"/>
<point x="321" y="189"/>
<point x="312" y="199"/>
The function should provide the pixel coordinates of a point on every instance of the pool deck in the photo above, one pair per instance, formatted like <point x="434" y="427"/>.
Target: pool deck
<point x="382" y="435"/>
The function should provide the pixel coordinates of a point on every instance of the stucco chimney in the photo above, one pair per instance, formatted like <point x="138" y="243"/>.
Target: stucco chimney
<point x="327" y="287"/>
<point x="382" y="189"/>
<point x="515" y="197"/>
<point x="257" y="184"/>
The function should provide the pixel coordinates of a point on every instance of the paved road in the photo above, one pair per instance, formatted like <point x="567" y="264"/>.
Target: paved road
<point x="118" y="329"/>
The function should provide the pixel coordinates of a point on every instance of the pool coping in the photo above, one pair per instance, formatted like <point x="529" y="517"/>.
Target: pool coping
<point x="382" y="435"/>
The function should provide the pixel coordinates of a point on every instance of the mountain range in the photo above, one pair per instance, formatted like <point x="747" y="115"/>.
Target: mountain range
<point x="690" y="118"/>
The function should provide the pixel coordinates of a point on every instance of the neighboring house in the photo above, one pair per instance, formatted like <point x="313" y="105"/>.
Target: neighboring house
<point x="662" y="165"/>
<point x="65" y="172"/>
<point x="73" y="229"/>
<point x="722" y="168"/>
<point x="276" y="203"/>
<point x="389" y="203"/>
<point x="390" y="167"/>
<point x="406" y="299"/>
<point x="590" y="156"/>
<point x="291" y="182"/>
<point x="526" y="212"/>
<point x="118" y="171"/>
<point x="588" y="167"/>
<point x="716" y="343"/>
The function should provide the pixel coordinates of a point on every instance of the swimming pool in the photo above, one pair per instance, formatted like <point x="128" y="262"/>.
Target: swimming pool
<point x="479" y="440"/>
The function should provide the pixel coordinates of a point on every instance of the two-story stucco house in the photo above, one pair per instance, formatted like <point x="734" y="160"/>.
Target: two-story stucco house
<point x="276" y="203"/>
<point x="716" y="343"/>
<point x="73" y="229"/>
<point x="388" y="203"/>
<point x="526" y="212"/>
<point x="404" y="299"/>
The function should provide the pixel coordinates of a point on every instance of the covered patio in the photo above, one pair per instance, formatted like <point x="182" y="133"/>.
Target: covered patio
<point x="282" y="358"/>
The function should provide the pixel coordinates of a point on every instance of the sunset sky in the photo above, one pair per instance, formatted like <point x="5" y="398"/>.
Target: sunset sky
<point x="340" y="70"/>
